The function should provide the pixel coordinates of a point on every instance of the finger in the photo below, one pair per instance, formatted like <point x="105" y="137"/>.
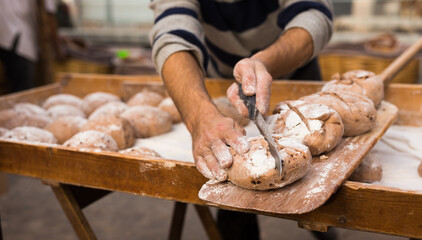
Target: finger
<point x="202" y="168"/>
<point x="244" y="73"/>
<point x="222" y="153"/>
<point x="236" y="101"/>
<point x="212" y="164"/>
<point x="263" y="91"/>
<point x="237" y="141"/>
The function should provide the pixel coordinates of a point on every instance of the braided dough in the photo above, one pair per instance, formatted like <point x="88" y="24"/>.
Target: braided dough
<point x="256" y="168"/>
<point x="359" y="82"/>
<point x="319" y="127"/>
<point x="357" y="112"/>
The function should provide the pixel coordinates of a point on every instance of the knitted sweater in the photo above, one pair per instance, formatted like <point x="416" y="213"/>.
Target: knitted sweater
<point x="219" y="33"/>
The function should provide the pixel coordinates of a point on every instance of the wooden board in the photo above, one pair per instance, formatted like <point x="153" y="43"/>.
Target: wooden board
<point x="314" y="189"/>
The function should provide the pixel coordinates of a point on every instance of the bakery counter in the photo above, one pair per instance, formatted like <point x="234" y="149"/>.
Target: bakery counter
<point x="360" y="206"/>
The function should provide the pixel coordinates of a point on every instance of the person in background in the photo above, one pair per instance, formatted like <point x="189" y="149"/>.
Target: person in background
<point x="19" y="49"/>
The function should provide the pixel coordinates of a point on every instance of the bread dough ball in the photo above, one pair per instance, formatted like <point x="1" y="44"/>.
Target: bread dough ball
<point x="95" y="100"/>
<point x="357" y="112"/>
<point x="420" y="169"/>
<point x="92" y="140"/>
<point x="167" y="105"/>
<point x="111" y="108"/>
<point x="64" y="110"/>
<point x="148" y="121"/>
<point x="224" y="106"/>
<point x="368" y="171"/>
<point x="318" y="126"/>
<point x="256" y="168"/>
<point x="65" y="127"/>
<point x="24" y="114"/>
<point x="118" y="128"/>
<point x="359" y="82"/>
<point x="63" y="99"/>
<point x="3" y="131"/>
<point x="30" y="134"/>
<point x="142" y="152"/>
<point x="145" y="98"/>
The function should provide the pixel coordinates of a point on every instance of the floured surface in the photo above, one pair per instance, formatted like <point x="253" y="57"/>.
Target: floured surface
<point x="324" y="178"/>
<point x="400" y="153"/>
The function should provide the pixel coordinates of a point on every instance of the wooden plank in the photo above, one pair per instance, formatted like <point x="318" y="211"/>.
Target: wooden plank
<point x="177" y="221"/>
<point x="323" y="179"/>
<point x="73" y="212"/>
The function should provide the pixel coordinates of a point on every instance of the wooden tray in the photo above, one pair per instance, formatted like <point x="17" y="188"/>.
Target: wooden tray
<point x="310" y="192"/>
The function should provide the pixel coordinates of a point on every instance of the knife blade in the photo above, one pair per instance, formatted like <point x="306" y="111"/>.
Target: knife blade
<point x="258" y="119"/>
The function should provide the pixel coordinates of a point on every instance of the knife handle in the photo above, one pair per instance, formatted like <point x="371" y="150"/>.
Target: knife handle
<point x="249" y="101"/>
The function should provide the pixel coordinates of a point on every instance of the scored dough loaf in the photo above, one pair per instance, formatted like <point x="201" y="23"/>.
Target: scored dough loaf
<point x="111" y="108"/>
<point x="318" y="126"/>
<point x="118" y="128"/>
<point x="357" y="112"/>
<point x="93" y="141"/>
<point x="141" y="152"/>
<point x="147" y="120"/>
<point x="65" y="127"/>
<point x="57" y="111"/>
<point x="256" y="168"/>
<point x="95" y="100"/>
<point x="224" y="106"/>
<point x="30" y="134"/>
<point x="145" y="98"/>
<point x="359" y="82"/>
<point x="168" y="105"/>
<point x="24" y="114"/>
<point x="63" y="99"/>
<point x="368" y="171"/>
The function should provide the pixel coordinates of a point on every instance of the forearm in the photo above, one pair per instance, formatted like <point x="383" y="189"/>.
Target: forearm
<point x="288" y="53"/>
<point x="184" y="81"/>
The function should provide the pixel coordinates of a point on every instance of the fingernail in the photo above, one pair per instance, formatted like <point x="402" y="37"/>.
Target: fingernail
<point x="221" y="175"/>
<point x="243" y="145"/>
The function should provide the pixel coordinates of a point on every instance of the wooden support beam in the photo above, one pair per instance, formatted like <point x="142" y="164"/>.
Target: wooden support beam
<point x="73" y="212"/>
<point x="208" y="222"/>
<point x="177" y="221"/>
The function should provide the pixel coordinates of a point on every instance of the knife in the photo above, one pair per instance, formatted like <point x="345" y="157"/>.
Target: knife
<point x="258" y="119"/>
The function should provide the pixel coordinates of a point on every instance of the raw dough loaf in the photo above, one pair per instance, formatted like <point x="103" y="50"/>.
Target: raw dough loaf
<point x="356" y="111"/>
<point x="63" y="99"/>
<point x="224" y="106"/>
<point x="359" y="82"/>
<point x="142" y="152"/>
<point x="368" y="171"/>
<point x="64" y="110"/>
<point x="111" y="108"/>
<point x="118" y="128"/>
<point x="167" y="105"/>
<point x="92" y="141"/>
<point x="24" y="114"/>
<point x="318" y="126"/>
<point x="420" y="169"/>
<point x="145" y="98"/>
<point x="148" y="121"/>
<point x="65" y="127"/>
<point x="256" y="168"/>
<point x="30" y="134"/>
<point x="3" y="131"/>
<point x="95" y="100"/>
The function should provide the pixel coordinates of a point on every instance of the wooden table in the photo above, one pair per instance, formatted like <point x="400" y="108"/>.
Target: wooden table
<point x="73" y="174"/>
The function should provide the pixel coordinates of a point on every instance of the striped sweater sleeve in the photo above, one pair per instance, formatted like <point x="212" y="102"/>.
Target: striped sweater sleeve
<point x="176" y="28"/>
<point x="314" y="16"/>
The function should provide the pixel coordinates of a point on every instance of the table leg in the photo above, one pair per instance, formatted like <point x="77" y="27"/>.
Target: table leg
<point x="208" y="222"/>
<point x="177" y="221"/>
<point x="73" y="211"/>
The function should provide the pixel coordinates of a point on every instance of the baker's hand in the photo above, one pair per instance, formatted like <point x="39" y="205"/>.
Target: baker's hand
<point x="211" y="138"/>
<point x="255" y="80"/>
